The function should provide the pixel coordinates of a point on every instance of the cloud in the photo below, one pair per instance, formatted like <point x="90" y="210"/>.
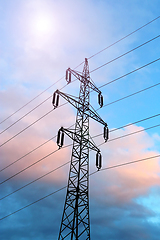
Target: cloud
<point x="116" y="211"/>
<point x="113" y="192"/>
<point x="128" y="182"/>
<point x="34" y="136"/>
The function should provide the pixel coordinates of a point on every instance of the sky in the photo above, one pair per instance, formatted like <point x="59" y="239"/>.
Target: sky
<point x="39" y="40"/>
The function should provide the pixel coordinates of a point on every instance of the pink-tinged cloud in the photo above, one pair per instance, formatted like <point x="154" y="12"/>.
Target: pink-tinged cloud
<point x="33" y="137"/>
<point x="125" y="183"/>
<point x="15" y="150"/>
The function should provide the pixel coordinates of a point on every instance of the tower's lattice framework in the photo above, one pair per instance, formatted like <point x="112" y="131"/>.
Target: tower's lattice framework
<point x="75" y="222"/>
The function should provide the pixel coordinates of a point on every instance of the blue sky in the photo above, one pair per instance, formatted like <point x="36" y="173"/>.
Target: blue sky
<point x="39" y="40"/>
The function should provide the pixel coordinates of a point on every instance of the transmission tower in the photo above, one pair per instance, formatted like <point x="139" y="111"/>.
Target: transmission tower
<point x="75" y="222"/>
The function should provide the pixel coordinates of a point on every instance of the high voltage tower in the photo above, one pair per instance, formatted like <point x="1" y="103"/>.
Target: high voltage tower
<point x="75" y="222"/>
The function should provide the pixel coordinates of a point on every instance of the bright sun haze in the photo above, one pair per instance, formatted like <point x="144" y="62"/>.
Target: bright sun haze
<point x="42" y="24"/>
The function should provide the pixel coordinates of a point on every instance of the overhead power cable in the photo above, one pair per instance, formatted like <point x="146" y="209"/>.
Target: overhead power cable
<point x="26" y="128"/>
<point x="25" y="115"/>
<point x="129" y="124"/>
<point x="126" y="135"/>
<point x="30" y="151"/>
<point x="91" y="71"/>
<point x="142" y="90"/>
<point x="104" y="105"/>
<point x="127" y="163"/>
<point x="129" y="134"/>
<point x="17" y="160"/>
<point x="31" y="165"/>
<point x="127" y="73"/>
<point x="33" y="202"/>
<point x="35" y="180"/>
<point x="31" y="100"/>
<point x="137" y="69"/>
<point x="30" y="111"/>
<point x="120" y="99"/>
<point x="112" y="167"/>
<point x="102" y="169"/>
<point x="144" y="119"/>
<point x="122" y="55"/>
<point x="81" y="64"/>
<point x="132" y="94"/>
<point x="125" y="37"/>
<point x="116" y="79"/>
<point x="30" y="125"/>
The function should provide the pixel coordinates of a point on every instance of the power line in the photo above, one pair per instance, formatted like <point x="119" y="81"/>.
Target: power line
<point x="125" y="37"/>
<point x="105" y="85"/>
<point x="125" y="74"/>
<point x="126" y="135"/>
<point x="127" y="163"/>
<point x="25" y="115"/>
<point x="107" y="168"/>
<point x="64" y="187"/>
<point x="97" y="109"/>
<point x="31" y="165"/>
<point x="31" y="100"/>
<point x="27" y="154"/>
<point x="35" y="180"/>
<point x="26" y="128"/>
<point x="30" y="152"/>
<point x="30" y="125"/>
<point x="80" y="65"/>
<point x="129" y="124"/>
<point x="129" y="134"/>
<point x="104" y="105"/>
<point x="130" y="95"/>
<point x="135" y="70"/>
<point x="125" y="53"/>
<point x="93" y="71"/>
<point x="64" y="104"/>
<point x="72" y="82"/>
<point x="144" y="119"/>
<point x="142" y="130"/>
<point x="30" y="111"/>
<point x="33" y="202"/>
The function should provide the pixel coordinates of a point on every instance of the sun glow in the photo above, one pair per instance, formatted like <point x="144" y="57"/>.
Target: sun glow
<point x="42" y="24"/>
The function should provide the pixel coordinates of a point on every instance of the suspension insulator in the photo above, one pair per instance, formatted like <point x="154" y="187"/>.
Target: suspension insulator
<point x="100" y="100"/>
<point x="54" y="97"/>
<point x="69" y="78"/>
<point x="55" y="101"/>
<point x="106" y="133"/>
<point x="101" y="103"/>
<point x="67" y="75"/>
<point x="60" y="137"/>
<point x="99" y="96"/>
<point x="98" y="160"/>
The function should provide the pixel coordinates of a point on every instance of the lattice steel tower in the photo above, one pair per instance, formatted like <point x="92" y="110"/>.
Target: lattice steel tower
<point x="75" y="222"/>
